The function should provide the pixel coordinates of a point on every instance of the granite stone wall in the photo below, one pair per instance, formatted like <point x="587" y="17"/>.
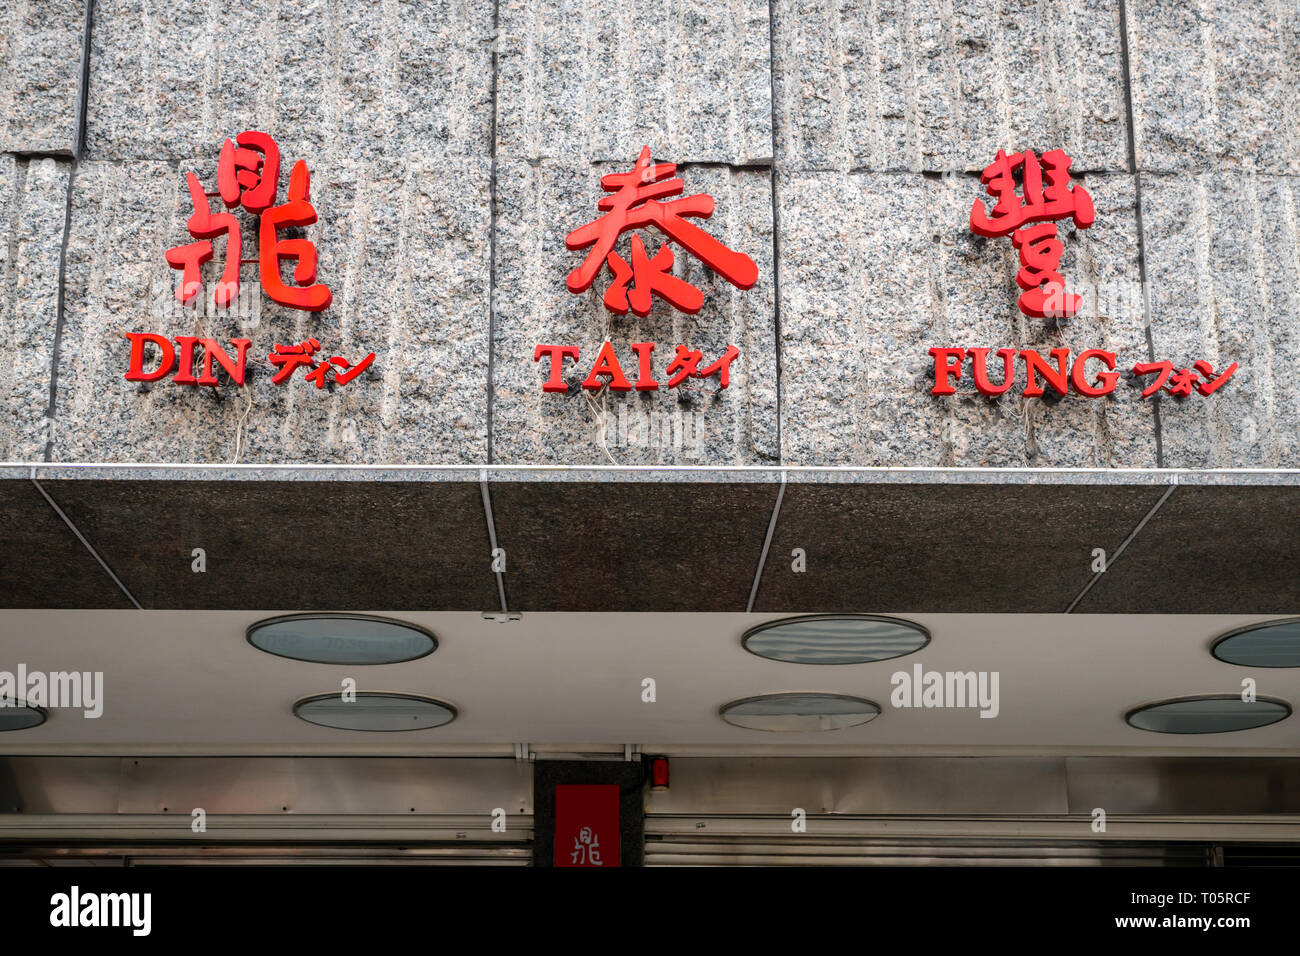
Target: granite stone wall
<point x="454" y="143"/>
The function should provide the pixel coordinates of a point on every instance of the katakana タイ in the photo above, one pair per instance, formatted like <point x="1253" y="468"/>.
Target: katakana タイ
<point x="686" y="361"/>
<point x="1047" y="197"/>
<point x="638" y="200"/>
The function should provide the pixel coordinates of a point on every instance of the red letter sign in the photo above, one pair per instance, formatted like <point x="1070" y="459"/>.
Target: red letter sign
<point x="135" y="371"/>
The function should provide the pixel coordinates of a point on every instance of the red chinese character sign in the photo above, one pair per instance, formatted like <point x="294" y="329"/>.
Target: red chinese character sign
<point x="639" y="200"/>
<point x="1029" y="216"/>
<point x="248" y="175"/>
<point x="1030" y="219"/>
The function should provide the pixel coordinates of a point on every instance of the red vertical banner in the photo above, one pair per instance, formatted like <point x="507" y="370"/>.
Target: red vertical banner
<point x="587" y="825"/>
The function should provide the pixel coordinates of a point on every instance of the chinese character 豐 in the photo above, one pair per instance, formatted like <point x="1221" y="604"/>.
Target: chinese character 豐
<point x="1046" y="198"/>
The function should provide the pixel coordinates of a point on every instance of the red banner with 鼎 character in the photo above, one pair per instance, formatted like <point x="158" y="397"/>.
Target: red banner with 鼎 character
<point x="586" y="825"/>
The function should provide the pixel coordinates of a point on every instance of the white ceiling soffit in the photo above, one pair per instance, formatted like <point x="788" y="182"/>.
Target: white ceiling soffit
<point x="188" y="682"/>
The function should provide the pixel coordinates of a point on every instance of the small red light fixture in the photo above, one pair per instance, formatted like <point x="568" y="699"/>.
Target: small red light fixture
<point x="658" y="773"/>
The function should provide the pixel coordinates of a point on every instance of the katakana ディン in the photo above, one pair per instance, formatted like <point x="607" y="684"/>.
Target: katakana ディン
<point x="289" y="358"/>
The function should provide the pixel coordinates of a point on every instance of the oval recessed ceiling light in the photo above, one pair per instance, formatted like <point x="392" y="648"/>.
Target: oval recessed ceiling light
<point x="341" y="639"/>
<point x="375" y="711"/>
<point x="16" y="716"/>
<point x="835" y="639"/>
<point x="799" y="713"/>
<point x="1272" y="644"/>
<point x="1215" y="714"/>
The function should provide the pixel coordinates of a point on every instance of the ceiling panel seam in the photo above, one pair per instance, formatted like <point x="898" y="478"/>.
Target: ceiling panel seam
<point x="767" y="544"/>
<point x="1108" y="561"/>
<point x="88" y="546"/>
<point x="492" y="537"/>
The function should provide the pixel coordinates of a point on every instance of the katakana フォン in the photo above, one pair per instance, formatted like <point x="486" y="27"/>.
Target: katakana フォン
<point x="1181" y="381"/>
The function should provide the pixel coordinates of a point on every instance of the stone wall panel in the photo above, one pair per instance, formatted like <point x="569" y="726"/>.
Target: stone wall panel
<point x="876" y="269"/>
<point x="33" y="200"/>
<point x="941" y="85"/>
<point x="596" y="80"/>
<point x="42" y="45"/>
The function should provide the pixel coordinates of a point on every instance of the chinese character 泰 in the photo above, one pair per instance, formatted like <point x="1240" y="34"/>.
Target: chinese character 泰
<point x="638" y="200"/>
